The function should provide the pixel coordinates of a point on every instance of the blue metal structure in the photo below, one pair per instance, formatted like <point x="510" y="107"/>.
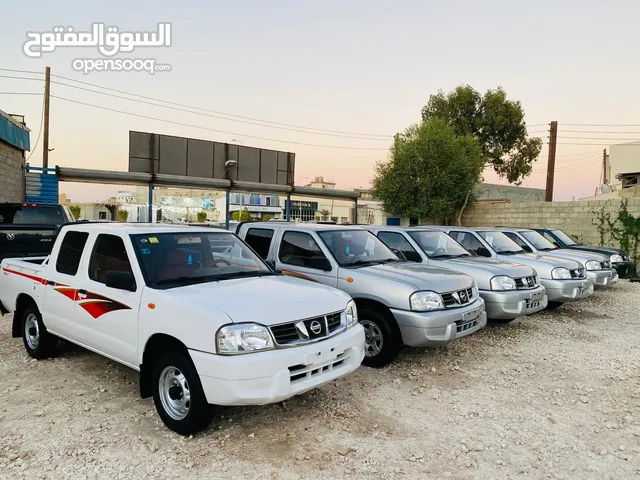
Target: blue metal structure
<point x="13" y="133"/>
<point x="41" y="185"/>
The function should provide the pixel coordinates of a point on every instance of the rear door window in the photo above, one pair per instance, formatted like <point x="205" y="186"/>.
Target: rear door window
<point x="70" y="252"/>
<point x="260" y="240"/>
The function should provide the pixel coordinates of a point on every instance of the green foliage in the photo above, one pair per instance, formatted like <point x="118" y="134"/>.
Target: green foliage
<point x="497" y="123"/>
<point x="75" y="209"/>
<point x="622" y="228"/>
<point x="123" y="215"/>
<point x="241" y="216"/>
<point x="266" y="218"/>
<point x="201" y="217"/>
<point x="324" y="213"/>
<point x="430" y="172"/>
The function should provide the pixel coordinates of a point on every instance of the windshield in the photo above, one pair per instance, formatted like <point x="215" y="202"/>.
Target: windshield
<point x="32" y="215"/>
<point x="538" y="241"/>
<point x="438" y="245"/>
<point x="357" y="247"/>
<point x="178" y="259"/>
<point x="564" y="238"/>
<point x="500" y="242"/>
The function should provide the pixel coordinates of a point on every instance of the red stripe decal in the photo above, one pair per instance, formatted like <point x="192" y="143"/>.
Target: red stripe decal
<point x="289" y="273"/>
<point x="97" y="308"/>
<point x="26" y="275"/>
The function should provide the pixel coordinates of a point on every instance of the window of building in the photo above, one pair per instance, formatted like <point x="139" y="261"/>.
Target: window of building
<point x="260" y="240"/>
<point x="397" y="241"/>
<point x="102" y="215"/>
<point x="301" y="249"/>
<point x="71" y="252"/>
<point x="109" y="254"/>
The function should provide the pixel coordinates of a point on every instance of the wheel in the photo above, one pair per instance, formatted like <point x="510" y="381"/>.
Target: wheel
<point x="382" y="343"/>
<point x="38" y="342"/>
<point x="554" y="305"/>
<point x="178" y="394"/>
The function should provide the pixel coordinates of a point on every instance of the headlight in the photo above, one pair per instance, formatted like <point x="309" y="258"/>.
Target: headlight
<point x="560" y="274"/>
<point x="592" y="265"/>
<point x="425" y="301"/>
<point x="352" y="313"/>
<point x="503" y="283"/>
<point x="243" y="338"/>
<point x="616" y="259"/>
<point x="475" y="291"/>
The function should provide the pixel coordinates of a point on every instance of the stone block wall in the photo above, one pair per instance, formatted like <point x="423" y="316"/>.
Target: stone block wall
<point x="574" y="218"/>
<point x="11" y="173"/>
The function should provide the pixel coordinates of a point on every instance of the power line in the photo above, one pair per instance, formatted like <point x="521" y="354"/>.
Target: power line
<point x="21" y="71"/>
<point x="600" y="132"/>
<point x="218" y="112"/>
<point x="597" y="138"/>
<point x="389" y="137"/>
<point x="14" y="77"/>
<point x="213" y="129"/>
<point x="20" y="93"/>
<point x="598" y="125"/>
<point x="39" y="133"/>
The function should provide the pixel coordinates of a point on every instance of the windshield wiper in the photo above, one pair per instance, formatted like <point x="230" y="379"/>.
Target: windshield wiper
<point x="212" y="278"/>
<point x="548" y="249"/>
<point x="251" y="273"/>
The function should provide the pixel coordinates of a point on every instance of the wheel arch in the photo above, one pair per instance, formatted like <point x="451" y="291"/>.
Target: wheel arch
<point x="369" y="304"/>
<point x="22" y="302"/>
<point x="157" y="343"/>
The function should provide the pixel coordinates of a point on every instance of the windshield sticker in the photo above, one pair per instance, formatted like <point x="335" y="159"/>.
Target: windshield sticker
<point x="153" y="240"/>
<point x="188" y="240"/>
<point x="190" y="260"/>
<point x="145" y="251"/>
<point x="143" y="240"/>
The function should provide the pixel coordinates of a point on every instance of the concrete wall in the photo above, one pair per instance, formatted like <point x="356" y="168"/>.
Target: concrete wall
<point x="574" y="218"/>
<point x="623" y="158"/>
<point x="11" y="173"/>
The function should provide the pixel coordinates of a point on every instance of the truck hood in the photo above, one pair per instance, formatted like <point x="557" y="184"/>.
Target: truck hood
<point x="486" y="267"/>
<point x="533" y="259"/>
<point x="267" y="300"/>
<point x="608" y="251"/>
<point x="422" y="277"/>
<point x="581" y="257"/>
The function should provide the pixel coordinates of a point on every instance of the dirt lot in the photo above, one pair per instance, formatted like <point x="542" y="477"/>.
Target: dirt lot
<point x="555" y="395"/>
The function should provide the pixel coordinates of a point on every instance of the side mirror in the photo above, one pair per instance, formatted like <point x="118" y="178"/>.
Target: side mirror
<point x="319" y="263"/>
<point x="121" y="280"/>
<point x="483" y="252"/>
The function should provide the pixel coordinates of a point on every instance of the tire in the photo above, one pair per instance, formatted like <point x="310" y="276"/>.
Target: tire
<point x="174" y="374"/>
<point x="382" y="340"/>
<point x="38" y="342"/>
<point x="554" y="305"/>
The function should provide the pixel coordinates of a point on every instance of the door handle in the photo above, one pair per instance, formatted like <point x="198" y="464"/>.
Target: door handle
<point x="51" y="282"/>
<point x="82" y="293"/>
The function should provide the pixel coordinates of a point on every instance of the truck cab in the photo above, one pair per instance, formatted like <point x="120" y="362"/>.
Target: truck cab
<point x="399" y="302"/>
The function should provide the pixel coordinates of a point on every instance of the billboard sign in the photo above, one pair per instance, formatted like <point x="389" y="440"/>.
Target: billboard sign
<point x="189" y="157"/>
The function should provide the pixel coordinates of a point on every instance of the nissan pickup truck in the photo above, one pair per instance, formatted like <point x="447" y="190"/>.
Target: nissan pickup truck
<point x="399" y="302"/>
<point x="29" y="229"/>
<point x="620" y="260"/>
<point x="509" y="290"/>
<point x="564" y="280"/>
<point x="201" y="317"/>
<point x="598" y="267"/>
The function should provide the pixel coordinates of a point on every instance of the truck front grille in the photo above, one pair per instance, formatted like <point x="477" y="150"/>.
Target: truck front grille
<point x="458" y="299"/>
<point x="577" y="273"/>
<point x="525" y="283"/>
<point x="299" y="373"/>
<point x="311" y="329"/>
<point x="463" y="327"/>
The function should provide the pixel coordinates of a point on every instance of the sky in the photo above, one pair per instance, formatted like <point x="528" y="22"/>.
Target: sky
<point x="347" y="66"/>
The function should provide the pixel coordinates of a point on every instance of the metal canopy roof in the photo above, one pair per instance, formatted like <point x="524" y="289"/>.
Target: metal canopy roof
<point x="68" y="174"/>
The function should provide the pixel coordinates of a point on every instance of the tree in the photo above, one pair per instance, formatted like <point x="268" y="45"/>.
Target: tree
<point x="75" y="209"/>
<point x="123" y="215"/>
<point x="430" y="172"/>
<point x="324" y="213"/>
<point x="266" y="218"/>
<point x="241" y="216"/>
<point x="497" y="123"/>
<point x="201" y="217"/>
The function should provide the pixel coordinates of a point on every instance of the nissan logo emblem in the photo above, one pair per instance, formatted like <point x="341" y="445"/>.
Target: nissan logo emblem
<point x="315" y="327"/>
<point x="463" y="296"/>
<point x="10" y="236"/>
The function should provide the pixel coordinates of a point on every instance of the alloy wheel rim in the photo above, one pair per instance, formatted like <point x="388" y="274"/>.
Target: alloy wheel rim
<point x="373" y="339"/>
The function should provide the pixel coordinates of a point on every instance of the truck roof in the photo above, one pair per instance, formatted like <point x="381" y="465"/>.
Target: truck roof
<point x="307" y="226"/>
<point x="140" y="228"/>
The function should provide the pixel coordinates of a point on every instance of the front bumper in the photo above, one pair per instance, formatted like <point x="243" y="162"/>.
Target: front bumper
<point x="625" y="269"/>
<point x="602" y="278"/>
<point x="423" y="329"/>
<point x="274" y="376"/>
<point x="506" y="305"/>
<point x="567" y="290"/>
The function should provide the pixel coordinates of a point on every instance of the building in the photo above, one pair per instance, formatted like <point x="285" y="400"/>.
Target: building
<point x="623" y="158"/>
<point x="14" y="142"/>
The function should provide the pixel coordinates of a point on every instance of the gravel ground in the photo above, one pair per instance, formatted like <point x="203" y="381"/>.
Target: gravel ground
<point x="554" y="395"/>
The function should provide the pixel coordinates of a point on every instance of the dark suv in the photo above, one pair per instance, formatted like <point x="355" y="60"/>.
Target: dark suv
<point x="619" y="259"/>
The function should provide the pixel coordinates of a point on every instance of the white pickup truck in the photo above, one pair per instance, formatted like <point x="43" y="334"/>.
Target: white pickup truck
<point x="202" y="318"/>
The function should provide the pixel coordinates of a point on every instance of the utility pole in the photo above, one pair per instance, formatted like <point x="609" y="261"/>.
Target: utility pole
<point x="604" y="166"/>
<point x="47" y="97"/>
<point x="551" y="165"/>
